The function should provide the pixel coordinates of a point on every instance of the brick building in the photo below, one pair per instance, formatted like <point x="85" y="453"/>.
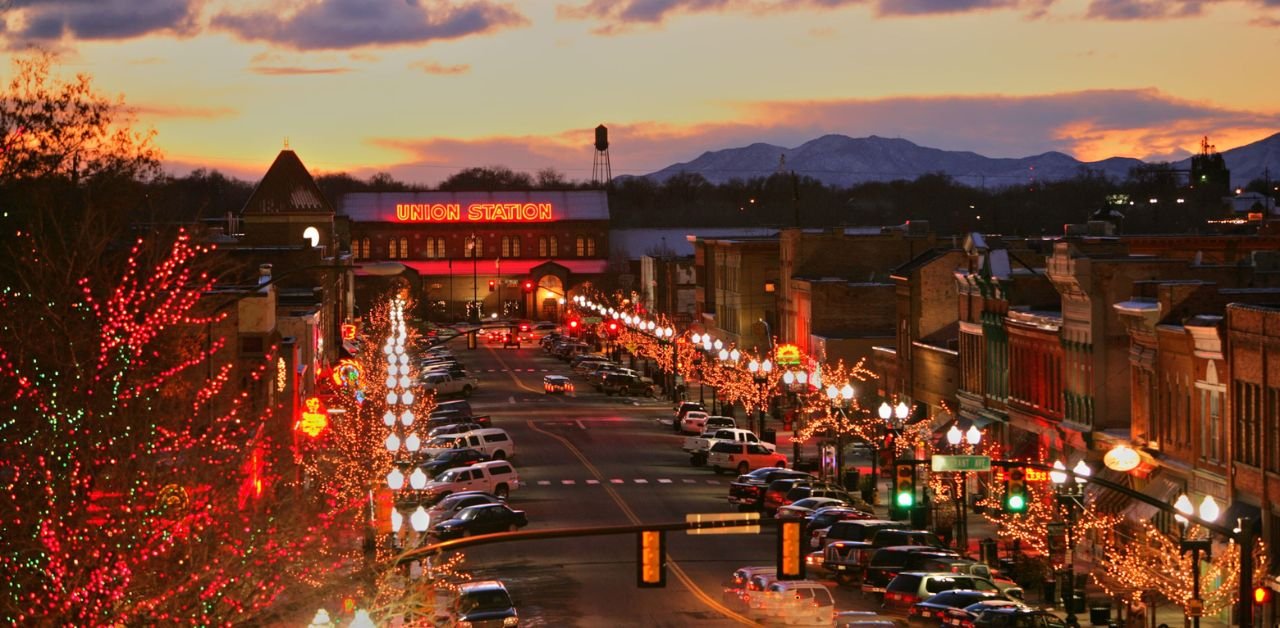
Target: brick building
<point x="737" y="280"/>
<point x="509" y="254"/>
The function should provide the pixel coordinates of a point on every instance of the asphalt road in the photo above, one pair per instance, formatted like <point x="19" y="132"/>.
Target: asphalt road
<point x="592" y="460"/>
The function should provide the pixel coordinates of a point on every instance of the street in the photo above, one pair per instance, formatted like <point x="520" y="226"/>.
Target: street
<point x="592" y="460"/>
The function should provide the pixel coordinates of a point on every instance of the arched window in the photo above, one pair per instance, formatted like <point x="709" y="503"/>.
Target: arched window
<point x="435" y="248"/>
<point x="404" y="247"/>
<point x="475" y="246"/>
<point x="554" y="250"/>
<point x="542" y="246"/>
<point x="591" y="247"/>
<point x="392" y="248"/>
<point x="360" y="248"/>
<point x="440" y="250"/>
<point x="581" y="248"/>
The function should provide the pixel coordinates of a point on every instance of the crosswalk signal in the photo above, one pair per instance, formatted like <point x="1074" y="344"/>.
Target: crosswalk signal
<point x="1015" y="491"/>
<point x="1261" y="596"/>
<point x="904" y="488"/>
<point x="790" y="554"/>
<point x="652" y="559"/>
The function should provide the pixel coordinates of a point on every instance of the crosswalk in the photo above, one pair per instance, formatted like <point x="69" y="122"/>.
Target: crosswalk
<point x="517" y="370"/>
<point x="629" y="481"/>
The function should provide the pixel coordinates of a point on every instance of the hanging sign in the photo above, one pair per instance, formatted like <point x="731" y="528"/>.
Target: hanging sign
<point x="347" y="373"/>
<point x="348" y="331"/>
<point x="314" y="418"/>
<point x="787" y="355"/>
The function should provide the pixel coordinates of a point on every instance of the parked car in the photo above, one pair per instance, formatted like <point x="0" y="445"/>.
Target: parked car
<point x="630" y="385"/>
<point x="728" y="455"/>
<point x="480" y="519"/>
<point x="694" y="422"/>
<point x="864" y="619"/>
<point x="804" y="507"/>
<point x="817" y="489"/>
<point x="448" y="507"/>
<point x="822" y="518"/>
<point x="450" y="459"/>
<point x="454" y="428"/>
<point x="747" y="492"/>
<point x="494" y="476"/>
<point x="932" y="611"/>
<point x="889" y="561"/>
<point x="910" y="587"/>
<point x="1002" y="615"/>
<point x="494" y="442"/>
<point x="775" y="495"/>
<point x="511" y="339"/>
<point x="972" y="567"/>
<point x="483" y="603"/>
<point x="847" y="547"/>
<point x="737" y="591"/>
<point x="556" y="385"/>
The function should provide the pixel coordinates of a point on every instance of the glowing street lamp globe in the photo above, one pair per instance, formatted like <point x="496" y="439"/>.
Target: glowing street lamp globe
<point x="885" y="411"/>
<point x="846" y="391"/>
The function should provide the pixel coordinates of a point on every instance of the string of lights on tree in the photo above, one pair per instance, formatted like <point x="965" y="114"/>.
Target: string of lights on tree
<point x="134" y="478"/>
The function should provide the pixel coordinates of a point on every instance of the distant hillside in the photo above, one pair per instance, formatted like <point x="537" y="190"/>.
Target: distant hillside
<point x="845" y="161"/>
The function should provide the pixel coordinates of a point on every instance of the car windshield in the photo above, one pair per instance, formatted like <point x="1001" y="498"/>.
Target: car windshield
<point x="484" y="600"/>
<point x="449" y="476"/>
<point x="440" y="442"/>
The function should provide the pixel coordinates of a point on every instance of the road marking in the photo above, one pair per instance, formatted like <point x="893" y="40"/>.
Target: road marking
<point x="568" y="482"/>
<point x="580" y="425"/>
<point x="544" y="482"/>
<point x="617" y="481"/>
<point x="593" y="481"/>
<point x="511" y="399"/>
<point x="641" y="481"/>
<point x="635" y="520"/>
<point x="713" y="481"/>
<point x="663" y="481"/>
<point x="688" y="481"/>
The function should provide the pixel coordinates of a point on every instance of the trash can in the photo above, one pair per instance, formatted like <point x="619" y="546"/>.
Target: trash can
<point x="769" y="436"/>
<point x="989" y="552"/>
<point x="1099" y="615"/>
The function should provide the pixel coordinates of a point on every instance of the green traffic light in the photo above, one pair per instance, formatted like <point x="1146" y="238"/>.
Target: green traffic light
<point x="1017" y="503"/>
<point x="905" y="500"/>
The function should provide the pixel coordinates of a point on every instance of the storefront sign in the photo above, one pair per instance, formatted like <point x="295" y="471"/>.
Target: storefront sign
<point x="314" y="418"/>
<point x="475" y="212"/>
<point x="348" y="331"/>
<point x="787" y="354"/>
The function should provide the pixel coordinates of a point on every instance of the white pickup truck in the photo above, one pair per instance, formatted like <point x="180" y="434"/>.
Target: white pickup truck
<point x="699" y="446"/>
<point x="443" y="384"/>
<point x="493" y="476"/>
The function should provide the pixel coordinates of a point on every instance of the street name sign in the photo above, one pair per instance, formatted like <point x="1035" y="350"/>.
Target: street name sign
<point x="960" y="463"/>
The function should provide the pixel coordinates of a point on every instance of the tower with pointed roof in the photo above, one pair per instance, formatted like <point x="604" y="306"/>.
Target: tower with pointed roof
<point x="285" y="205"/>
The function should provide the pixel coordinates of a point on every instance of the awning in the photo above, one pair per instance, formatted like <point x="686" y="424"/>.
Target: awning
<point x="1104" y="499"/>
<point x="1158" y="487"/>
<point x="507" y="267"/>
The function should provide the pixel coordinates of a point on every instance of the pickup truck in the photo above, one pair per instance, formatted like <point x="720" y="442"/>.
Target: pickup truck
<point x="747" y="492"/>
<point x="444" y="384"/>
<point x="494" y="476"/>
<point x="699" y="446"/>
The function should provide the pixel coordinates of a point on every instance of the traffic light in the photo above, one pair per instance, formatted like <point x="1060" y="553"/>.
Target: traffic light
<point x="613" y="328"/>
<point x="1261" y="595"/>
<point x="790" y="555"/>
<point x="528" y="286"/>
<point x="1015" y="490"/>
<point x="652" y="559"/>
<point x="904" y="487"/>
<point x="492" y="285"/>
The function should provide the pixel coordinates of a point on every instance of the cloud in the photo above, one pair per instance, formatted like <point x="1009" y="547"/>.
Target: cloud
<point x="35" y="21"/>
<point x="1089" y="125"/>
<point x="289" y="70"/>
<point x="1120" y="10"/>
<point x="343" y="24"/>
<point x="431" y="67"/>
<point x="182" y="111"/>
<point x="618" y="15"/>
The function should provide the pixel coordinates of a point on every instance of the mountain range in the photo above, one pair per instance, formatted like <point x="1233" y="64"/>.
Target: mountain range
<point x="839" y="160"/>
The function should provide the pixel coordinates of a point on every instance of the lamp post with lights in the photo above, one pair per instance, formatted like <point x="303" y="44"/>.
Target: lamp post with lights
<point x="973" y="437"/>
<point x="1070" y="496"/>
<point x="1209" y="512"/>
<point x="760" y="376"/>
<point x="840" y="399"/>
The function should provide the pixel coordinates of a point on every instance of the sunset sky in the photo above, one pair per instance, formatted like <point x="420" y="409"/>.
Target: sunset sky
<point x="424" y="88"/>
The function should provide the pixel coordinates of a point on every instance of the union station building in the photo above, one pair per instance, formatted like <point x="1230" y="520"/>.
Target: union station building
<point x="492" y="254"/>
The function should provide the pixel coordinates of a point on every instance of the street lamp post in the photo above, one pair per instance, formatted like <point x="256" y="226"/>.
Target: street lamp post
<point x="1070" y="496"/>
<point x="760" y="375"/>
<point x="973" y="436"/>
<point x="840" y="400"/>
<point x="1208" y="512"/>
<point x="475" y="291"/>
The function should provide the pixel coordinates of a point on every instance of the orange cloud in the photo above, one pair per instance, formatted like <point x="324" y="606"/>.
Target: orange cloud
<point x="182" y="111"/>
<point x="431" y="67"/>
<point x="270" y="70"/>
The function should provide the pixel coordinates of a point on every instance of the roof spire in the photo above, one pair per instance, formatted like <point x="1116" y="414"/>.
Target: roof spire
<point x="286" y="142"/>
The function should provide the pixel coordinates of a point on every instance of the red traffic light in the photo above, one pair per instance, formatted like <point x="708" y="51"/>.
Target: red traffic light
<point x="613" y="326"/>
<point x="528" y="286"/>
<point x="1261" y="595"/>
<point x="492" y="284"/>
<point x="573" y="324"/>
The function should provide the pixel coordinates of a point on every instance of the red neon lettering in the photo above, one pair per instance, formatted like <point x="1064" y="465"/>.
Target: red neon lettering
<point x="476" y="212"/>
<point x="428" y="212"/>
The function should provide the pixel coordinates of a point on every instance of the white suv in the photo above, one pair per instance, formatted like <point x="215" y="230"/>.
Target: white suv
<point x="494" y="476"/>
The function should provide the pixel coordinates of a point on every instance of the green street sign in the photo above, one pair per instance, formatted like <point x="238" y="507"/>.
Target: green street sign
<point x="960" y="463"/>
<point x="591" y="320"/>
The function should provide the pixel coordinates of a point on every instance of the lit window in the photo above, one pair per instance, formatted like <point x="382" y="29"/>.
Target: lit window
<point x="581" y="248"/>
<point x="555" y="247"/>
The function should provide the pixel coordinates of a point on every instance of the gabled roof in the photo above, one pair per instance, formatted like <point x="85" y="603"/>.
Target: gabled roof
<point x="287" y="188"/>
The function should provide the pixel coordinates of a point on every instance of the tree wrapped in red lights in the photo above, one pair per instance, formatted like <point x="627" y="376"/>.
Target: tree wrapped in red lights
<point x="137" y="479"/>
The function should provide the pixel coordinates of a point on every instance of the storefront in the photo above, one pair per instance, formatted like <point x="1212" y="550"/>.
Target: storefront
<point x="485" y="254"/>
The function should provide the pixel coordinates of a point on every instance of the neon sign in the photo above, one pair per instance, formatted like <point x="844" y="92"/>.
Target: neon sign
<point x="787" y="354"/>
<point x="314" y="418"/>
<point x="347" y="373"/>
<point x="348" y="331"/>
<point x="282" y="374"/>
<point x="475" y="212"/>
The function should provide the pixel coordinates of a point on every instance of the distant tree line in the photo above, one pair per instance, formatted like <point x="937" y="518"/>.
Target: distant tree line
<point x="784" y="199"/>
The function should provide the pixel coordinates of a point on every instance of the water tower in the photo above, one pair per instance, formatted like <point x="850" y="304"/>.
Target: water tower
<point x="601" y="172"/>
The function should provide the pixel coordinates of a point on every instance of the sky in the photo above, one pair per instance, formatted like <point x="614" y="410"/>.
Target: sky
<point x="424" y="88"/>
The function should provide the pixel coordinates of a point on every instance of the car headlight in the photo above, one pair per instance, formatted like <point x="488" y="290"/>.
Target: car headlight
<point x="464" y="624"/>
<point x="511" y="621"/>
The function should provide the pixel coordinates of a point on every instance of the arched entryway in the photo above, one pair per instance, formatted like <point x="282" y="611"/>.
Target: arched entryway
<point x="548" y="298"/>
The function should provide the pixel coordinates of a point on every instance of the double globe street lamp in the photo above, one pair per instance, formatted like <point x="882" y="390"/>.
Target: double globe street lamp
<point x="1070" y="496"/>
<point x="973" y="436"/>
<point x="1209" y="512"/>
<point x="841" y="399"/>
<point x="760" y="376"/>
